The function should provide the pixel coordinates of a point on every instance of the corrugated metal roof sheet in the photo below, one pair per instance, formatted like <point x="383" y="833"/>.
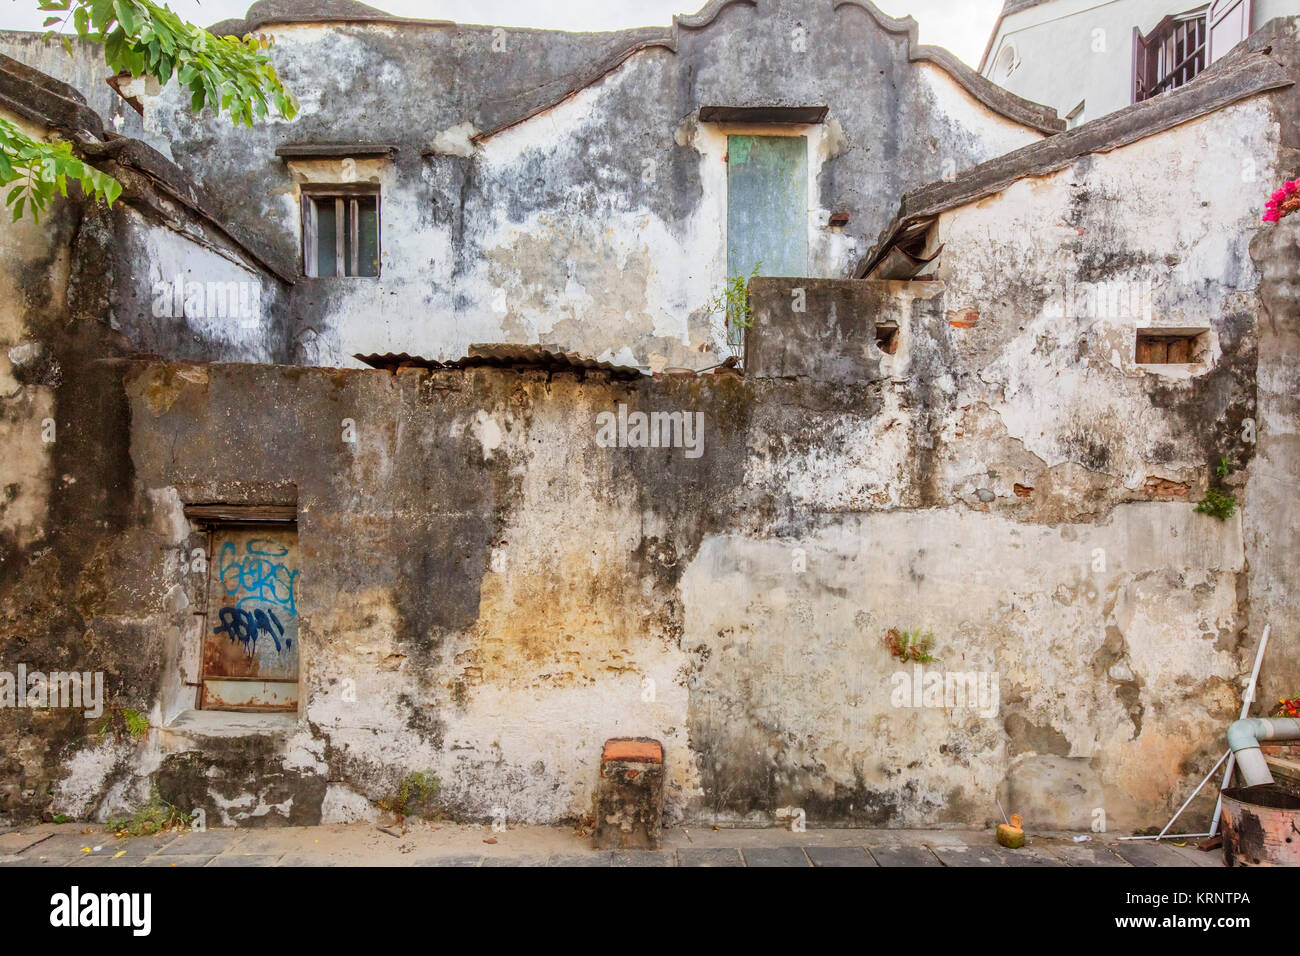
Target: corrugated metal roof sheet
<point x="504" y="355"/>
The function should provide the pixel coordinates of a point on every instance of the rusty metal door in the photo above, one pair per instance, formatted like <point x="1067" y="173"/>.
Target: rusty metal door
<point x="250" y="651"/>
<point x="767" y="205"/>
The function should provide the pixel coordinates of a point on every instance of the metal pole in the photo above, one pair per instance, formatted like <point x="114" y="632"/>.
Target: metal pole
<point x="1172" y="836"/>
<point x="1245" y="712"/>
<point x="1225" y="756"/>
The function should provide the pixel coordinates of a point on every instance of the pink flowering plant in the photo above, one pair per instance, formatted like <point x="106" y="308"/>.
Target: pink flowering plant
<point x="1283" y="202"/>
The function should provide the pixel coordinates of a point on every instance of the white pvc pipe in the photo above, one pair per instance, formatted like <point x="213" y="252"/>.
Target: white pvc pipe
<point x="1193" y="796"/>
<point x="1171" y="836"/>
<point x="1244" y="737"/>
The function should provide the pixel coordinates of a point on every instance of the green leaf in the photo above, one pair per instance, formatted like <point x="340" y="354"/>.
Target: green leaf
<point x="143" y="38"/>
<point x="101" y="14"/>
<point x="126" y="16"/>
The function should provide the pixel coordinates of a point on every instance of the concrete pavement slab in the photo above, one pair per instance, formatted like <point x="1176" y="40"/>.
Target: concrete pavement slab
<point x="903" y="856"/>
<point x="840" y="856"/>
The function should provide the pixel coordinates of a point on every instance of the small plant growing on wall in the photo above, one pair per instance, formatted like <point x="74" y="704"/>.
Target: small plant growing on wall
<point x="909" y="646"/>
<point x="732" y="303"/>
<point x="415" y="788"/>
<point x="154" y="817"/>
<point x="1287" y="707"/>
<point x="121" y="720"/>
<point x="1216" y="503"/>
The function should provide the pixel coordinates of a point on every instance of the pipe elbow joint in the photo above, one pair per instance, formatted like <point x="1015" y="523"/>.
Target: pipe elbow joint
<point x="1245" y="733"/>
<point x="1244" y="736"/>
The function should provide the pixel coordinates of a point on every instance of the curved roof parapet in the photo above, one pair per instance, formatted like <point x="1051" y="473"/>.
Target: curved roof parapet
<point x="266" y="12"/>
<point x="708" y="13"/>
<point x="625" y="43"/>
<point x="549" y="95"/>
<point x="1245" y="72"/>
<point x="1036" y="115"/>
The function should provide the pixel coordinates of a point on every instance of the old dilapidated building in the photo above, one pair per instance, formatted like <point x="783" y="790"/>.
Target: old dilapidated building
<point x="263" y="473"/>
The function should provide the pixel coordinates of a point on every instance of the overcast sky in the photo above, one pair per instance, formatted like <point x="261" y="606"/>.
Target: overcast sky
<point x="960" y="25"/>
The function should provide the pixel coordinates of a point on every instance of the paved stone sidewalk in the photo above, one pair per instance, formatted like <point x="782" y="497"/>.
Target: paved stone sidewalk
<point x="425" y="844"/>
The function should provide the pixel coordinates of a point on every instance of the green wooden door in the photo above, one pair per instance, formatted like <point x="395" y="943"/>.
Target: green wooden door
<point x="767" y="205"/>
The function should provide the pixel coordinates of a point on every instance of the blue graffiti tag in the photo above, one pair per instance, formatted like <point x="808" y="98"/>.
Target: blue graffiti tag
<point x="247" y="626"/>
<point x="264" y="578"/>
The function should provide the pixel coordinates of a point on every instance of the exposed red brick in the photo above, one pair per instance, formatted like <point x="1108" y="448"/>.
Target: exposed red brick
<point x="639" y="749"/>
<point x="966" y="319"/>
<point x="1157" y="487"/>
<point x="1022" y="491"/>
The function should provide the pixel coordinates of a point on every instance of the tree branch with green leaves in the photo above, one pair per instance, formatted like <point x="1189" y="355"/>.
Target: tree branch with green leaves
<point x="40" y="169"/>
<point x="228" y="74"/>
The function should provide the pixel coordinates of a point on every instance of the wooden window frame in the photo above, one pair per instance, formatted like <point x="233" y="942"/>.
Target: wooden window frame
<point x="341" y="193"/>
<point x="1192" y="340"/>
<point x="1219" y="12"/>
<point x="1153" y="71"/>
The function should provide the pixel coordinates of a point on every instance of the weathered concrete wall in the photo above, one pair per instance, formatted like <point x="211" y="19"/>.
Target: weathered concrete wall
<point x="61" y="479"/>
<point x="77" y="291"/>
<point x="489" y="590"/>
<point x="1046" y="284"/>
<point x="186" y="294"/>
<point x="33" y="289"/>
<point x="732" y="605"/>
<point x="1049" y="280"/>
<point x="597" y="224"/>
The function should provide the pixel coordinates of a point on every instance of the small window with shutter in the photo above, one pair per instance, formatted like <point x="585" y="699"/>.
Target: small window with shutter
<point x="1170" y="346"/>
<point x="340" y="231"/>
<point x="1172" y="54"/>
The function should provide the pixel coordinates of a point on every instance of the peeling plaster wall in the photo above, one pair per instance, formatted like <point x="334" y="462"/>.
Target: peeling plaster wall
<point x="32" y="285"/>
<point x="488" y="593"/>
<point x="77" y="292"/>
<point x="598" y="224"/>
<point x="794" y="699"/>
<point x="1271" y="511"/>
<point x="502" y="683"/>
<point x="732" y="606"/>
<point x="1049" y="280"/>
<point x="184" y="295"/>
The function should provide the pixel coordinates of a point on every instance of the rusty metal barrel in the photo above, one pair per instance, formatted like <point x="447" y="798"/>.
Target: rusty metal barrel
<point x="1261" y="827"/>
